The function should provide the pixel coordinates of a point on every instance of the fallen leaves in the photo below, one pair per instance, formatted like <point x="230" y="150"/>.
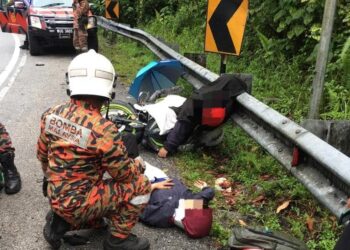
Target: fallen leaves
<point x="228" y="192"/>
<point x="310" y="223"/>
<point x="222" y="184"/>
<point x="242" y="223"/>
<point x="230" y="199"/>
<point x="283" y="206"/>
<point x="265" y="177"/>
<point x="258" y="199"/>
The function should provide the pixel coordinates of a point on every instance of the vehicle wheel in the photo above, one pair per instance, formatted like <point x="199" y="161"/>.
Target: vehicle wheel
<point x="151" y="138"/>
<point x="125" y="117"/>
<point x="34" y="48"/>
<point x="121" y="109"/>
<point x="93" y="41"/>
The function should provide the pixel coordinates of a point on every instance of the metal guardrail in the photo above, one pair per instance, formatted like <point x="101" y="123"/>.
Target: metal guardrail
<point x="325" y="171"/>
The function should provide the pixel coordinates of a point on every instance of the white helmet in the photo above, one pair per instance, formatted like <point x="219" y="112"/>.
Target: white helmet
<point x="91" y="73"/>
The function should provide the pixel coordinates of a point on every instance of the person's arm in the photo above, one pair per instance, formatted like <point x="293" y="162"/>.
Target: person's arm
<point x="115" y="158"/>
<point x="177" y="136"/>
<point x="167" y="184"/>
<point x="42" y="149"/>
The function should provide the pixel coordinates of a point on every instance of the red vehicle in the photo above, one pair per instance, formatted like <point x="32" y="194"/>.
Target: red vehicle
<point x="46" y="23"/>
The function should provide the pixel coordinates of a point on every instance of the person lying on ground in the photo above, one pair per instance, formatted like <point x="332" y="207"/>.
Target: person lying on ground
<point x="210" y="107"/>
<point x="167" y="196"/>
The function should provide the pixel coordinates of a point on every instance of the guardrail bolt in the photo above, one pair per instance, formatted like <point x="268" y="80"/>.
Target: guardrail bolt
<point x="284" y="122"/>
<point x="298" y="131"/>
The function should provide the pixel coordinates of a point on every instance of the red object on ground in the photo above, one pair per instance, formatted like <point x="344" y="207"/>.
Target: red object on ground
<point x="296" y="157"/>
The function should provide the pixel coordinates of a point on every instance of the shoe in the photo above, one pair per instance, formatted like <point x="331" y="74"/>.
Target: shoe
<point x="77" y="50"/>
<point x="12" y="178"/>
<point x="54" y="229"/>
<point x="130" y="243"/>
<point x="24" y="46"/>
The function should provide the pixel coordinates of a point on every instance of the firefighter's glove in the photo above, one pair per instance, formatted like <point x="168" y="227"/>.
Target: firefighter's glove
<point x="45" y="184"/>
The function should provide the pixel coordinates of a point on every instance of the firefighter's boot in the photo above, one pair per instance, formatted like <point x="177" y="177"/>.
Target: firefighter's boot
<point x="54" y="229"/>
<point x="131" y="242"/>
<point x="12" y="178"/>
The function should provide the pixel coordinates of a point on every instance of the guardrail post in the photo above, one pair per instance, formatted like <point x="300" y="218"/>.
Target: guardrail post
<point x="105" y="33"/>
<point x="336" y="133"/>
<point x="199" y="58"/>
<point x="112" y="38"/>
<point x="247" y="79"/>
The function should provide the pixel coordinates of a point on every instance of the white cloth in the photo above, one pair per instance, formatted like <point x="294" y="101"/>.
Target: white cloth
<point x="164" y="116"/>
<point x="153" y="172"/>
<point x="180" y="214"/>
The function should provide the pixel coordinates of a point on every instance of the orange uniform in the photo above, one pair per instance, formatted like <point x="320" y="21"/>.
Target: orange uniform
<point x="80" y="9"/>
<point x="78" y="146"/>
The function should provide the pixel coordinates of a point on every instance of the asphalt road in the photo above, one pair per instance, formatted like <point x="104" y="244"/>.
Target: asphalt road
<point x="33" y="85"/>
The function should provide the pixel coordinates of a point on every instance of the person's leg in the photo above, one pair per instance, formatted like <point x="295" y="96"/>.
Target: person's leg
<point x="83" y="39"/>
<point x="12" y="178"/>
<point x="134" y="198"/>
<point x="25" y="44"/>
<point x="76" y="44"/>
<point x="121" y="203"/>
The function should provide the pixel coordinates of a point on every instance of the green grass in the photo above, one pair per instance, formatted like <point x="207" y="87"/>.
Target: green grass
<point x="243" y="162"/>
<point x="254" y="173"/>
<point x="126" y="55"/>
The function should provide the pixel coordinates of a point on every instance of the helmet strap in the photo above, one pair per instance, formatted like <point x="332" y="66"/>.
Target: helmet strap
<point x="107" y="111"/>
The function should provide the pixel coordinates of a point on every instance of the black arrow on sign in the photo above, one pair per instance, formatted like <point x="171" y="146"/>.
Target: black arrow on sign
<point x="218" y="24"/>
<point x="110" y="9"/>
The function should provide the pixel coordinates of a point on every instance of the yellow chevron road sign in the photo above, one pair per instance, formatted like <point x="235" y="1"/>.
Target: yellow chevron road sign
<point x="225" y="27"/>
<point x="112" y="9"/>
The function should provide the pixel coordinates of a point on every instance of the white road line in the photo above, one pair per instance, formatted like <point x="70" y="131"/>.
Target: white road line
<point x="12" y="63"/>
<point x="6" y="88"/>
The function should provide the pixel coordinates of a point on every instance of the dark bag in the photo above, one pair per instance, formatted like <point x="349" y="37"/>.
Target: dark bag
<point x="245" y="237"/>
<point x="83" y="21"/>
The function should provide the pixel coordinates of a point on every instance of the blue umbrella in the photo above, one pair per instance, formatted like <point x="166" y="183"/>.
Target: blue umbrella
<point x="156" y="75"/>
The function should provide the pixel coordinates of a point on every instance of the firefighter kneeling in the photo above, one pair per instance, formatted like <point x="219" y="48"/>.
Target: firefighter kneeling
<point x="76" y="147"/>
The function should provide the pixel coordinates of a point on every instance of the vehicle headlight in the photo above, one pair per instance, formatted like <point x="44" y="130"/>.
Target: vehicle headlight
<point x="35" y="22"/>
<point x="92" y="22"/>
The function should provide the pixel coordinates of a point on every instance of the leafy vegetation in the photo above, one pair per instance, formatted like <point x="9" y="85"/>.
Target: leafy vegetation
<point x="279" y="49"/>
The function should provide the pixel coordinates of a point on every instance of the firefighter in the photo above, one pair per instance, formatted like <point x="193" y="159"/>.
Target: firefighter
<point x="80" y="20"/>
<point x="7" y="161"/>
<point x="76" y="146"/>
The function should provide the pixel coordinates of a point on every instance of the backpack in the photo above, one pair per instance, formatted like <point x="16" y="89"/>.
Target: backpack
<point x="245" y="237"/>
